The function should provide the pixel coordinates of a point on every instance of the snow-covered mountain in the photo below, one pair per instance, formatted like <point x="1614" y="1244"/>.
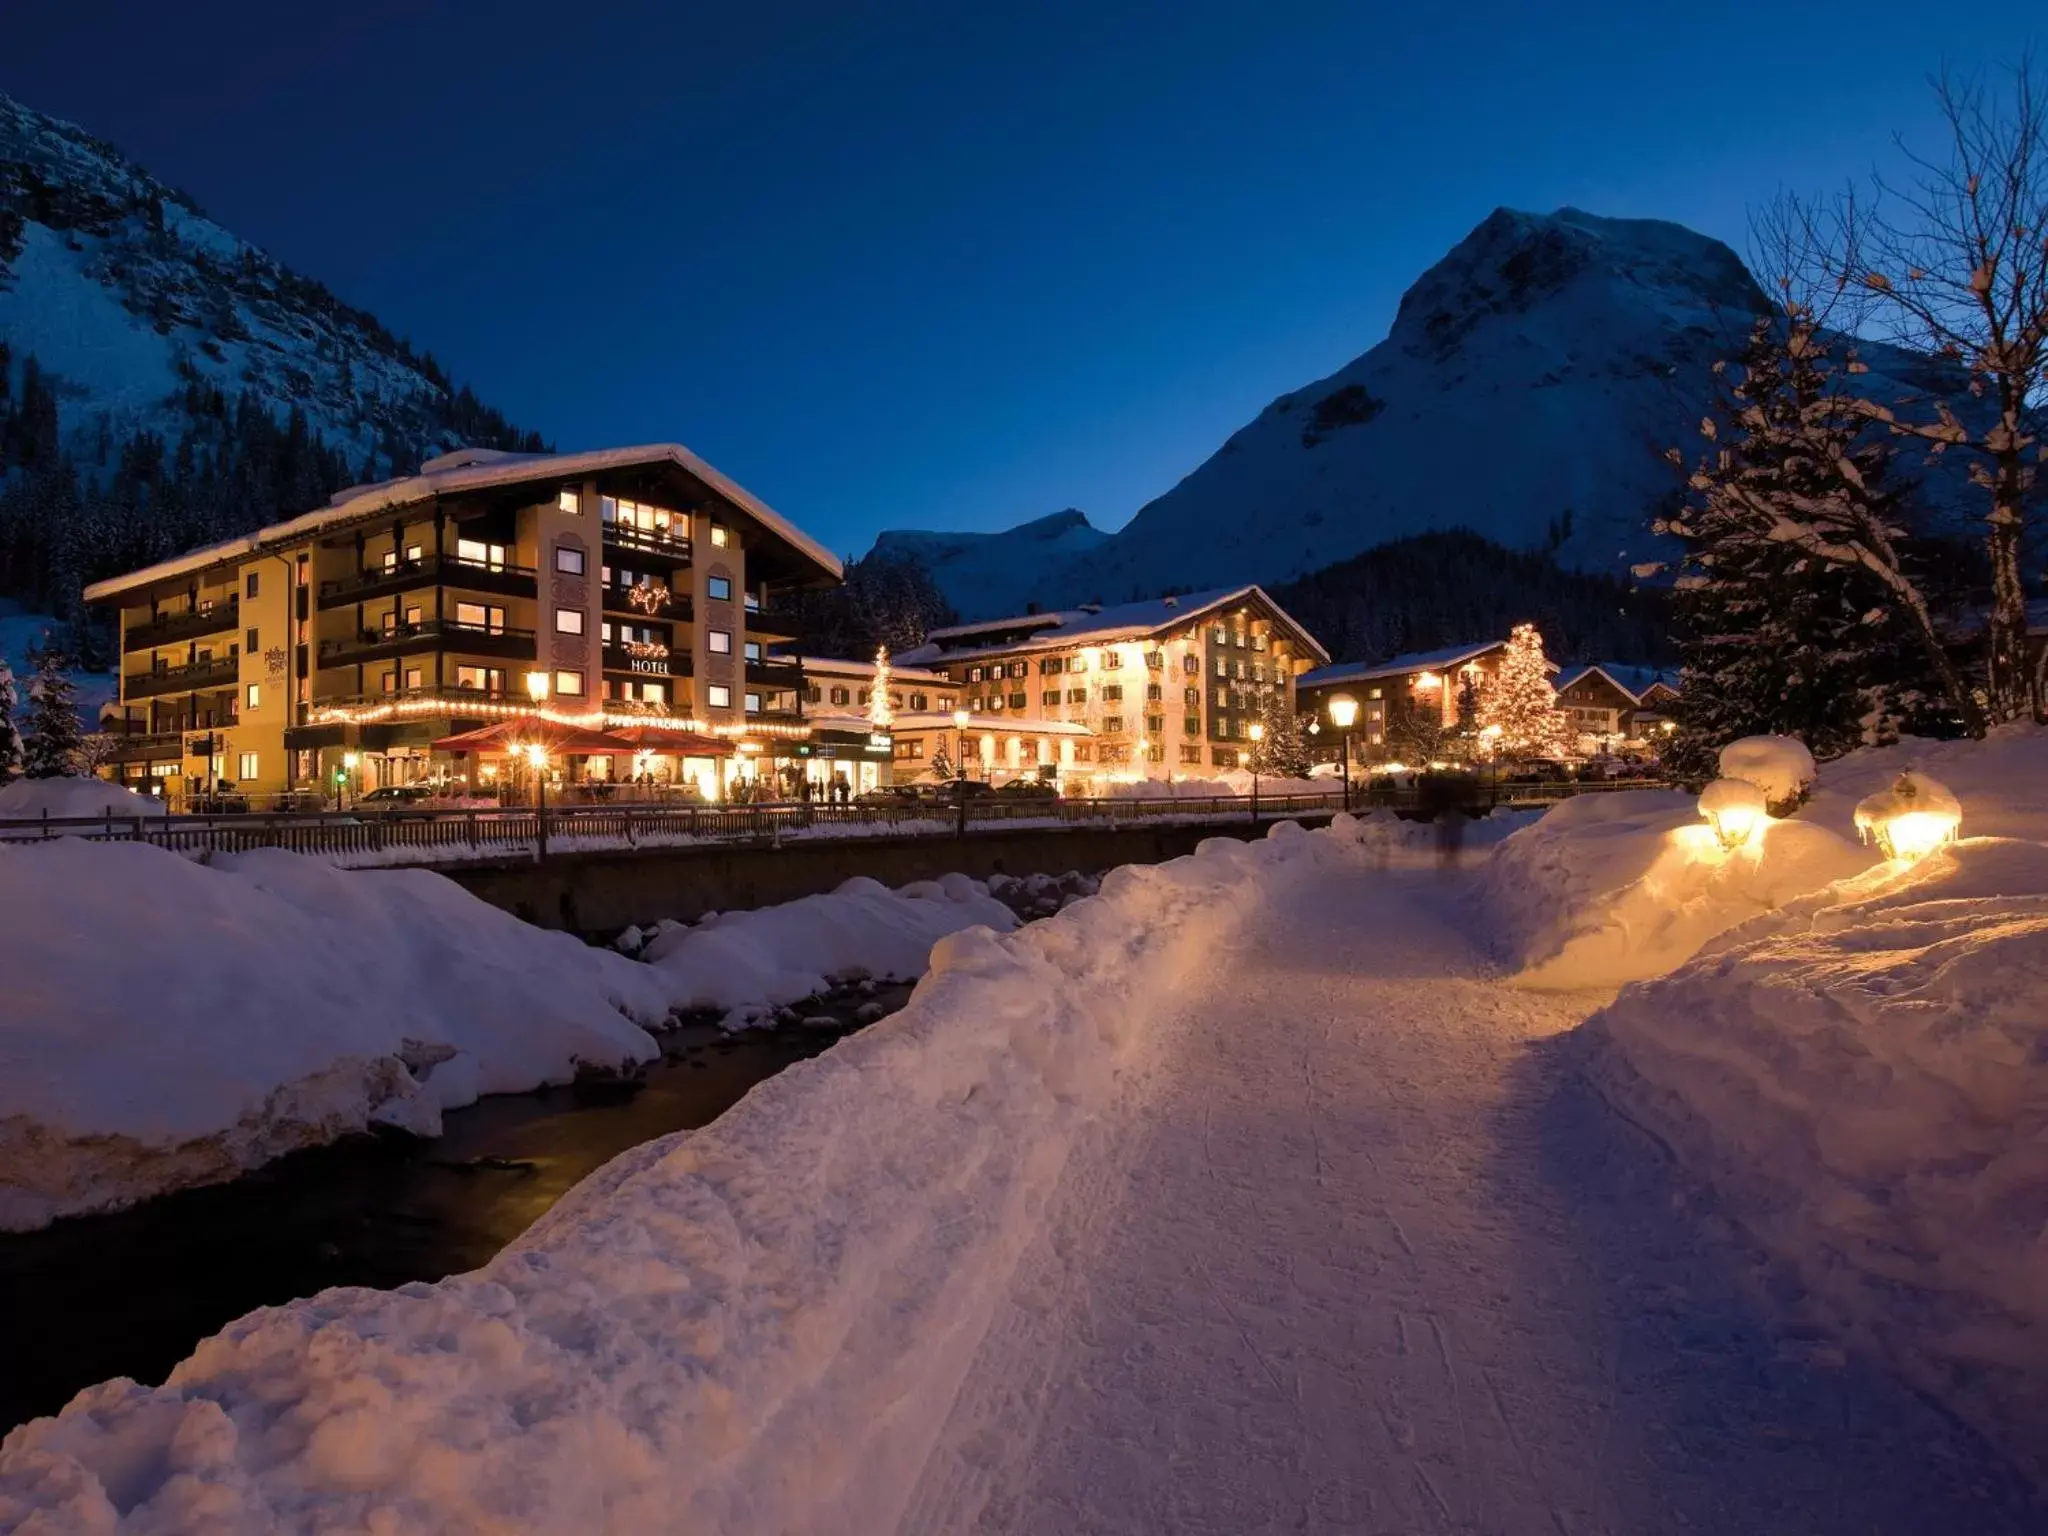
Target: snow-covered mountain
<point x="128" y="295"/>
<point x="1530" y="383"/>
<point x="996" y="573"/>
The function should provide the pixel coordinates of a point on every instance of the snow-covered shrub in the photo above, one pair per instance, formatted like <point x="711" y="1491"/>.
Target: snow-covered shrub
<point x="74" y="797"/>
<point x="1778" y="765"/>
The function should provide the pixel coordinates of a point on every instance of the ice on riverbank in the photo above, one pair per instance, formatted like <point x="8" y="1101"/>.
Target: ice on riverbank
<point x="748" y="964"/>
<point x="816" y="1269"/>
<point x="169" y="1023"/>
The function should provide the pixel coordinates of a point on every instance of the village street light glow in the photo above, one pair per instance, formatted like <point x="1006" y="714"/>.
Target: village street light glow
<point x="1343" y="711"/>
<point x="537" y="687"/>
<point x="1911" y="819"/>
<point x="1735" y="809"/>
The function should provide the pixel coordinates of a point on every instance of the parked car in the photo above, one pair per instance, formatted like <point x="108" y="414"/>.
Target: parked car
<point x="1031" y="789"/>
<point x="223" y="799"/>
<point x="397" y="797"/>
<point x="896" y="794"/>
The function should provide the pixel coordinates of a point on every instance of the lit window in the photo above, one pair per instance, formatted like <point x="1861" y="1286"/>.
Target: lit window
<point x="753" y="650"/>
<point x="478" y="552"/>
<point x="569" y="684"/>
<point x="568" y="621"/>
<point x="412" y="677"/>
<point x="478" y="616"/>
<point x="719" y="641"/>
<point x="568" y="560"/>
<point x="568" y="500"/>
<point x="483" y="679"/>
<point x="718" y="696"/>
<point x="720" y="535"/>
<point x="246" y="766"/>
<point x="653" y="693"/>
<point x="255" y="695"/>
<point x="753" y="703"/>
<point x="718" y="589"/>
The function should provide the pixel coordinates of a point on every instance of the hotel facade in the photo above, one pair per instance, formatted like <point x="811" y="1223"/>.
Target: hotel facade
<point x="631" y="590"/>
<point x="1166" y="689"/>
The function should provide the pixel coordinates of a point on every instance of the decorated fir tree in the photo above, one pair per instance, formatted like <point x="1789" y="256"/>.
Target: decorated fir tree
<point x="1281" y="751"/>
<point x="10" y="733"/>
<point x="880" y="715"/>
<point x="55" y="739"/>
<point x="1520" y="699"/>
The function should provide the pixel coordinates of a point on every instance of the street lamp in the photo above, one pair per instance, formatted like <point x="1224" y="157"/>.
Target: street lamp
<point x="1257" y="732"/>
<point x="349" y="760"/>
<point x="960" y="721"/>
<point x="537" y="687"/>
<point x="1343" y="714"/>
<point x="537" y="757"/>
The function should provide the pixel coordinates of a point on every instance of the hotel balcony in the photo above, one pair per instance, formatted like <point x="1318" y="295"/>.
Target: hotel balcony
<point x="774" y="674"/>
<point x="173" y="627"/>
<point x="218" y="672"/>
<point x="429" y="635"/>
<point x="622" y="658"/>
<point x="671" y="546"/>
<point x="447" y="571"/>
<point x="772" y="621"/>
<point x="675" y="607"/>
<point x="138" y="746"/>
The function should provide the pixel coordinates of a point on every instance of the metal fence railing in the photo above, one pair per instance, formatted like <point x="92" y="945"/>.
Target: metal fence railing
<point x="429" y="836"/>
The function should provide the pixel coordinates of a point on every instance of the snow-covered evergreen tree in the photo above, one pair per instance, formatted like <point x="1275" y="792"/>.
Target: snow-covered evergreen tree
<point x="1520" y="699"/>
<point x="1281" y="751"/>
<point x="52" y="750"/>
<point x="10" y="733"/>
<point x="1779" y="637"/>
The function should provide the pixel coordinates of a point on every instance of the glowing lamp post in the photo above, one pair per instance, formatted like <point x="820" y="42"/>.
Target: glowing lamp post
<point x="349" y="761"/>
<point x="1735" y="810"/>
<point x="1343" y="715"/>
<point x="1911" y="819"/>
<point x="537" y="687"/>
<point x="960" y="721"/>
<point x="1257" y="732"/>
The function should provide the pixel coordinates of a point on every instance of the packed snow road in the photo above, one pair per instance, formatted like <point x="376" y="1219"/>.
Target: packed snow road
<point x="1368" y="1256"/>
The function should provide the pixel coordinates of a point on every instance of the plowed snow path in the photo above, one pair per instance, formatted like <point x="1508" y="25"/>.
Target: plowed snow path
<point x="1368" y="1257"/>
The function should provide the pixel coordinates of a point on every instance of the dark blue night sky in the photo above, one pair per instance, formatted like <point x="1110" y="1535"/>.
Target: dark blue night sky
<point x="949" y="265"/>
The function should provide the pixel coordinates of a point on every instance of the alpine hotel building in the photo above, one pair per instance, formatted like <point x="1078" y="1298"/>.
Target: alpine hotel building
<point x="630" y="589"/>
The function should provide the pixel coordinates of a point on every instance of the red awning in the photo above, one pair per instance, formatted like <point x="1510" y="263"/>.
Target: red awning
<point x="513" y="735"/>
<point x="672" y="743"/>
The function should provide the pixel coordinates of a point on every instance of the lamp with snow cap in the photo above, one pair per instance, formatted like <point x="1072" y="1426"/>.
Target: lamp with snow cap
<point x="1911" y="819"/>
<point x="1735" y="809"/>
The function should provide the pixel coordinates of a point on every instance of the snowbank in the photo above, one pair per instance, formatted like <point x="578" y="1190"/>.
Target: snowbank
<point x="1780" y="766"/>
<point x="169" y="1023"/>
<point x="756" y="1326"/>
<point x="1863" y="1076"/>
<point x="1233" y="782"/>
<point x="2000" y="782"/>
<point x="57" y="798"/>
<point x="1611" y="888"/>
<point x="747" y="964"/>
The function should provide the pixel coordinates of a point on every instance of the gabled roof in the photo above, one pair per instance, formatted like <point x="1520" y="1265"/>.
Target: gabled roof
<point x="1081" y="626"/>
<point x="1635" y="681"/>
<point x="471" y="470"/>
<point x="1399" y="666"/>
<point x="835" y="666"/>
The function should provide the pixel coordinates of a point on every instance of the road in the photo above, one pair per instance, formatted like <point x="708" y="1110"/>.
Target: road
<point x="1367" y="1255"/>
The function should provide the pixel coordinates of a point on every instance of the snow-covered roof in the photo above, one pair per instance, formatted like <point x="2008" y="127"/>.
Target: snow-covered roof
<point x="986" y="724"/>
<point x="836" y="666"/>
<point x="470" y="470"/>
<point x="1071" y="626"/>
<point x="1399" y="666"/>
<point x="1633" y="680"/>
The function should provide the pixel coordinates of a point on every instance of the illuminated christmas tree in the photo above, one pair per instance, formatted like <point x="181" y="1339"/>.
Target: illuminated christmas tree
<point x="1520" y="699"/>
<point x="880" y="715"/>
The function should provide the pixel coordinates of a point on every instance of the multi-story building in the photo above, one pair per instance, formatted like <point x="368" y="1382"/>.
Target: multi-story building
<point x="631" y="588"/>
<point x="1614" y="705"/>
<point x="849" y="742"/>
<point x="1159" y="689"/>
<point x="1404" y="704"/>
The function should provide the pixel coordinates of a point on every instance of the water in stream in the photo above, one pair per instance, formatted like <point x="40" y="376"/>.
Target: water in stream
<point x="130" y="1294"/>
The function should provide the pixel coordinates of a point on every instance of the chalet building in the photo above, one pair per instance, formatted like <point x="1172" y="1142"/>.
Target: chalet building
<point x="1394" y="697"/>
<point x="1614" y="706"/>
<point x="1160" y="689"/>
<point x="849" y="742"/>
<point x="634" y="592"/>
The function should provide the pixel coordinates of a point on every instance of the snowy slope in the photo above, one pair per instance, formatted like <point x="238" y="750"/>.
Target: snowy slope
<point x="992" y="574"/>
<point x="1529" y="384"/>
<point x="128" y="293"/>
